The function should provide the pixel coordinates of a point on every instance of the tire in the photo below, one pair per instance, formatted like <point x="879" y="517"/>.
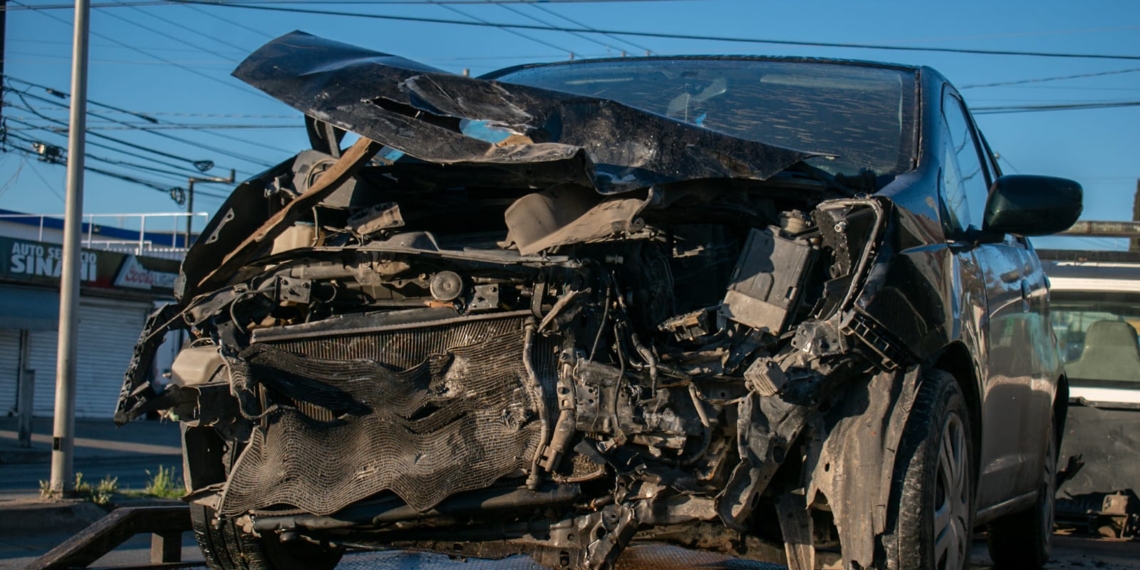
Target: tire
<point x="225" y="546"/>
<point x="1023" y="540"/>
<point x="932" y="500"/>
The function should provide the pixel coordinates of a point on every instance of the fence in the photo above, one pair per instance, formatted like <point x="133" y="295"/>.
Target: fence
<point x="155" y="235"/>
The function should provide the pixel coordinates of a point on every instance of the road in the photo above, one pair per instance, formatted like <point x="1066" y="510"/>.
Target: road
<point x="130" y="452"/>
<point x="101" y="450"/>
<point x="1070" y="553"/>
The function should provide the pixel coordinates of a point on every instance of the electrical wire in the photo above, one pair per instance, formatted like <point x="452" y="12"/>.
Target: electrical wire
<point x="209" y="14"/>
<point x="202" y="127"/>
<point x="375" y="2"/>
<point x="535" y="19"/>
<point x="99" y="44"/>
<point x="1009" y="109"/>
<point x="577" y="23"/>
<point x="210" y="148"/>
<point x="99" y="145"/>
<point x="1046" y="79"/>
<point x="112" y="174"/>
<point x="240" y="49"/>
<point x="199" y="164"/>
<point x="108" y="160"/>
<point x="663" y="35"/>
<point x="176" y="176"/>
<point x="48" y="185"/>
<point x="15" y="175"/>
<point x="150" y="118"/>
<point x="505" y="28"/>
<point x="206" y="76"/>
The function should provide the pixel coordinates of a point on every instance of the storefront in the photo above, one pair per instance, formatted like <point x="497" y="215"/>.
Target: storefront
<point x="118" y="291"/>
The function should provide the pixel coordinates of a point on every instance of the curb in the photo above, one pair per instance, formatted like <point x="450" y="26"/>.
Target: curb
<point x="32" y="517"/>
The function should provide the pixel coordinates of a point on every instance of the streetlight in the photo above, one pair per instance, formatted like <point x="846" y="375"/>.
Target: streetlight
<point x="190" y="197"/>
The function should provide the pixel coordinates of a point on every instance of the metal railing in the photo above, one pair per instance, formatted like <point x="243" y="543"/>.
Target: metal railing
<point x="167" y="237"/>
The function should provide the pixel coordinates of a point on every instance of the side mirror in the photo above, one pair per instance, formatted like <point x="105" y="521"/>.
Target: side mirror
<point x="1032" y="205"/>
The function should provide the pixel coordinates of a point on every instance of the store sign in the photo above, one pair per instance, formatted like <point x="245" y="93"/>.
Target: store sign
<point x="42" y="260"/>
<point x="135" y="275"/>
<point x="42" y="263"/>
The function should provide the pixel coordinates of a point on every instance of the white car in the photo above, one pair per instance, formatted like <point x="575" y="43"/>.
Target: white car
<point x="1095" y="310"/>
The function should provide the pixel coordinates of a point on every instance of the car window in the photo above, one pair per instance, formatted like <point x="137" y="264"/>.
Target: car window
<point x="964" y="178"/>
<point x="859" y="117"/>
<point x="1096" y="335"/>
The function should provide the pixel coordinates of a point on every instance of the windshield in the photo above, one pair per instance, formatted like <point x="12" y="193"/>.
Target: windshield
<point x="861" y="117"/>
<point x="1097" y="337"/>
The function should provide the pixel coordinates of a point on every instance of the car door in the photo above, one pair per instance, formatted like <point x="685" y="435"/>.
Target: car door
<point x="998" y="269"/>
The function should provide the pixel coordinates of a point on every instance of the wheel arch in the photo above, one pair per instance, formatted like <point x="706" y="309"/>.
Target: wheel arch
<point x="956" y="360"/>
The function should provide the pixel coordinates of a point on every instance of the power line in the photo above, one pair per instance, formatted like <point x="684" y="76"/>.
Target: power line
<point x="505" y="28"/>
<point x="664" y="35"/>
<point x="199" y="164"/>
<point x="15" y="176"/>
<point x="41" y="58"/>
<point x="231" y="154"/>
<point x="577" y="23"/>
<point x="149" y="118"/>
<point x="186" y="127"/>
<point x="47" y="184"/>
<point x="1008" y="109"/>
<point x="109" y="173"/>
<point x="534" y="19"/>
<point x="150" y="170"/>
<point x="229" y="58"/>
<point x="209" y="14"/>
<point x="148" y="114"/>
<point x="101" y="44"/>
<point x="95" y="144"/>
<point x="240" y="49"/>
<point x="1054" y="78"/>
<point x="357" y="2"/>
<point x="150" y="55"/>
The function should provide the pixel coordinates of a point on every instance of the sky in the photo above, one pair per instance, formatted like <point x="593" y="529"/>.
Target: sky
<point x="172" y="63"/>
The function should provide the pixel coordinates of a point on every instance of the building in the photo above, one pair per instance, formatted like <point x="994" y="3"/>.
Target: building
<point x="124" y="274"/>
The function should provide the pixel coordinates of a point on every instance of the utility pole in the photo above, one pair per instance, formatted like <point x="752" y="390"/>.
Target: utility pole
<point x="63" y="440"/>
<point x="3" y="43"/>
<point x="190" y="197"/>
<point x="1134" y="243"/>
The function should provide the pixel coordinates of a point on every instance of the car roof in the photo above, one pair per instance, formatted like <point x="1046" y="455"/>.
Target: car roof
<point x="788" y="59"/>
<point x="1092" y="271"/>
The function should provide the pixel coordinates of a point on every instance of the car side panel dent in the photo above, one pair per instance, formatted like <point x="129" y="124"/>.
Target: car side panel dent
<point x="852" y="456"/>
<point x="907" y="291"/>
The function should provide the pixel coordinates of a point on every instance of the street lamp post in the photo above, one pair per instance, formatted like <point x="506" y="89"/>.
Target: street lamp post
<point x="190" y="197"/>
<point x="63" y="429"/>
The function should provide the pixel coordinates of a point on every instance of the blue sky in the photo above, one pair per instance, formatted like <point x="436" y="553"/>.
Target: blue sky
<point x="202" y="45"/>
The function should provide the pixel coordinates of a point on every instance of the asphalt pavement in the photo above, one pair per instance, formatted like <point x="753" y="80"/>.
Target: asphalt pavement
<point x="101" y="450"/>
<point x="29" y="526"/>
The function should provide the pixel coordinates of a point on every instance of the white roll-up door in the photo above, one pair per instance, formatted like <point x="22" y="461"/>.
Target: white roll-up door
<point x="108" y="330"/>
<point x="41" y="360"/>
<point x="9" y="362"/>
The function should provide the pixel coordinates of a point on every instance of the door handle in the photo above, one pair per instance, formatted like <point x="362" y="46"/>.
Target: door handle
<point x="1025" y="296"/>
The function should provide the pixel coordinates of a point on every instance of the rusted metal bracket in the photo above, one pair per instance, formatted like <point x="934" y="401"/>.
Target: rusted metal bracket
<point x="165" y="523"/>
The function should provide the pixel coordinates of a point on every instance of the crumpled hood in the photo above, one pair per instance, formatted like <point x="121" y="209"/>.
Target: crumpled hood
<point x="425" y="112"/>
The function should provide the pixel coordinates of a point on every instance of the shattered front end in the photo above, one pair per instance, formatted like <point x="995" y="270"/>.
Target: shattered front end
<point x="524" y="347"/>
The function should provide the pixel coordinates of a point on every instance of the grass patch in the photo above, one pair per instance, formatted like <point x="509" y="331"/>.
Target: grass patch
<point x="165" y="483"/>
<point x="100" y="493"/>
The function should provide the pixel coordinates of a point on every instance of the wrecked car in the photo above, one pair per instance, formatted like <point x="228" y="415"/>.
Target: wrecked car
<point x="779" y="308"/>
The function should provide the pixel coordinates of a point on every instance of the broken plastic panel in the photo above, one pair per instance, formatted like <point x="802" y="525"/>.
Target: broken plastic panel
<point x="767" y="281"/>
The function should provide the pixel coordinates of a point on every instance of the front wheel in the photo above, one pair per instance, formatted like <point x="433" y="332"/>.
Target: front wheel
<point x="932" y="492"/>
<point x="226" y="546"/>
<point x="1023" y="540"/>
